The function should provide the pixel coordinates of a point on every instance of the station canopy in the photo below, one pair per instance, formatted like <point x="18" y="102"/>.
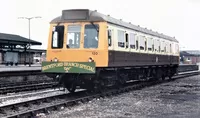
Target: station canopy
<point x="190" y="52"/>
<point x="16" y="40"/>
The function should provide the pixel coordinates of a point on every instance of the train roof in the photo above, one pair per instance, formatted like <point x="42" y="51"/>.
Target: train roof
<point x="73" y="15"/>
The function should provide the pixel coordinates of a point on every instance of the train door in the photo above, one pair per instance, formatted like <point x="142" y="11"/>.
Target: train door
<point x="170" y="53"/>
<point x="127" y="54"/>
<point x="110" y="39"/>
<point x="111" y="52"/>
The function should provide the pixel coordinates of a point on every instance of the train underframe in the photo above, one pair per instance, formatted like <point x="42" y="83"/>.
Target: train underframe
<point x="106" y="77"/>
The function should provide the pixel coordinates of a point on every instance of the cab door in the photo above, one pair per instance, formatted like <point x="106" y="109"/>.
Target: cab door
<point x="170" y="53"/>
<point x="111" y="52"/>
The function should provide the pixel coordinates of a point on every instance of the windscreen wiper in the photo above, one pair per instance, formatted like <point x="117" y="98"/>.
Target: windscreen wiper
<point x="95" y="26"/>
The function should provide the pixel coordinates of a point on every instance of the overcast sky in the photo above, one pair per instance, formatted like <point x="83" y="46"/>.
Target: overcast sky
<point x="179" y="18"/>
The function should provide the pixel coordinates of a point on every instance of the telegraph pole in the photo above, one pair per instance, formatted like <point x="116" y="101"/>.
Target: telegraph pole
<point x="29" y="27"/>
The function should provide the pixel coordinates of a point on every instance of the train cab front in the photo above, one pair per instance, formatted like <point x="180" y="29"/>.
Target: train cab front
<point x="75" y="51"/>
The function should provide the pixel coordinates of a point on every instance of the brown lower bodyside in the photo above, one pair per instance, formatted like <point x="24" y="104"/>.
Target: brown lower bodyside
<point x="128" y="59"/>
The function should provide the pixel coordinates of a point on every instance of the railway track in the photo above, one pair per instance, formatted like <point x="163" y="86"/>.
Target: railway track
<point x="26" y="86"/>
<point x="7" y="84"/>
<point x="43" y="105"/>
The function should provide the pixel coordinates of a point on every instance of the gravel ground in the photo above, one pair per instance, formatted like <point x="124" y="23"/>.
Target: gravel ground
<point x="177" y="99"/>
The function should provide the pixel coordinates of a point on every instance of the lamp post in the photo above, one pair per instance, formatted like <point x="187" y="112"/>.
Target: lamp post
<point x="29" y="19"/>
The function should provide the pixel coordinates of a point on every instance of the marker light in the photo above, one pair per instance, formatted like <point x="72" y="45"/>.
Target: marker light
<point x="55" y="60"/>
<point x="90" y="60"/>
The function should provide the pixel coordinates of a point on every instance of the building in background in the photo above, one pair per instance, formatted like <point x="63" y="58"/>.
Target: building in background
<point x="190" y="57"/>
<point x="14" y="49"/>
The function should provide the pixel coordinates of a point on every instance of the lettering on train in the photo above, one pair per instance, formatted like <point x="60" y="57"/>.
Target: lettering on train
<point x="68" y="64"/>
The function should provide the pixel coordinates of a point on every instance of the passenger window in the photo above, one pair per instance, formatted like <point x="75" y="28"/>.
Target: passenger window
<point x="149" y="43"/>
<point x="177" y="49"/>
<point x="142" y="43"/>
<point x="57" y="37"/>
<point x="127" y="44"/>
<point x="121" y="38"/>
<point x="162" y="46"/>
<point x="132" y="40"/>
<point x="109" y="38"/>
<point x="170" y="48"/>
<point x="73" y="36"/>
<point x="167" y="48"/>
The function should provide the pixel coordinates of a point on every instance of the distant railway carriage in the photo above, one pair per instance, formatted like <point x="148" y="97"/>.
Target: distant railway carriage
<point x="92" y="50"/>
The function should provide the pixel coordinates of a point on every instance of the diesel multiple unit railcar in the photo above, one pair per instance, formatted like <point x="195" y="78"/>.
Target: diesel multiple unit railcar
<point x="90" y="50"/>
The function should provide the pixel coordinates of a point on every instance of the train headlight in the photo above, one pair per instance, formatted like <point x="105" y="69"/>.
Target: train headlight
<point x="90" y="60"/>
<point x="55" y="60"/>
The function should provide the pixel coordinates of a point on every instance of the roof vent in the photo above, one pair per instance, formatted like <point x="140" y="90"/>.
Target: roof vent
<point x="138" y="25"/>
<point x="120" y="19"/>
<point x="95" y="10"/>
<point x="108" y="15"/>
<point x="129" y="22"/>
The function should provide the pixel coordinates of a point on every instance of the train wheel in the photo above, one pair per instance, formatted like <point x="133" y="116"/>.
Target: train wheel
<point x="170" y="73"/>
<point x="163" y="77"/>
<point x="98" y="83"/>
<point x="98" y="86"/>
<point x="170" y="77"/>
<point x="70" y="82"/>
<point x="103" y="86"/>
<point x="154" y="76"/>
<point x="71" y="88"/>
<point x="120" y="81"/>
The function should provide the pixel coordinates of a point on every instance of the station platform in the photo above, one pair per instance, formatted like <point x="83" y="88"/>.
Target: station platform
<point x="187" y="67"/>
<point x="20" y="65"/>
<point x="34" y="67"/>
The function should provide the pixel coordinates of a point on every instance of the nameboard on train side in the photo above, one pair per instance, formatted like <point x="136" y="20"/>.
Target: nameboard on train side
<point x="68" y="67"/>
